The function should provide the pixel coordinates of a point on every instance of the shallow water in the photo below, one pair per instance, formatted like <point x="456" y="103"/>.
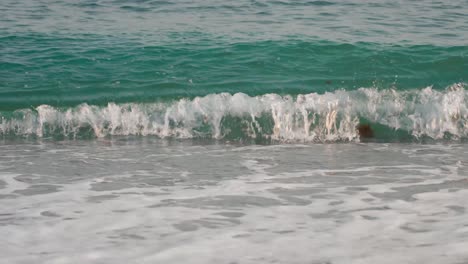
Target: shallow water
<point x="155" y="201"/>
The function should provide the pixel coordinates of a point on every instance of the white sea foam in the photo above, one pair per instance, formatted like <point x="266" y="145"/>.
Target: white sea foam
<point x="330" y="116"/>
<point x="315" y="203"/>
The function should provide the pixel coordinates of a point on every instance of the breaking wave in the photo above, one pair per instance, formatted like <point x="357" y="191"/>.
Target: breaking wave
<point x="332" y="116"/>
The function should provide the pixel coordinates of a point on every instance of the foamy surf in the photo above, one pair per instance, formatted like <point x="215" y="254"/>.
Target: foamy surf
<point x="327" y="117"/>
<point x="150" y="201"/>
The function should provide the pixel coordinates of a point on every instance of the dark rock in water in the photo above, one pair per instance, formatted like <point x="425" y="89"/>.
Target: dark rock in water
<point x="365" y="131"/>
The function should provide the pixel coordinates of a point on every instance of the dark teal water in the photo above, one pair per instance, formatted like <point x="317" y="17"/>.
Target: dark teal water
<point x="174" y="69"/>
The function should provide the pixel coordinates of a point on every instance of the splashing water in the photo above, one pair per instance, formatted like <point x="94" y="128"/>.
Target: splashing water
<point x="332" y="116"/>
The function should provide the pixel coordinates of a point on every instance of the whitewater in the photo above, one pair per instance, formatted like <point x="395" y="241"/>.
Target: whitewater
<point x="310" y="117"/>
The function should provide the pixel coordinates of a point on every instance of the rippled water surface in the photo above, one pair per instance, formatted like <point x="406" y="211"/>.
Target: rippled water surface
<point x="301" y="70"/>
<point x="422" y="22"/>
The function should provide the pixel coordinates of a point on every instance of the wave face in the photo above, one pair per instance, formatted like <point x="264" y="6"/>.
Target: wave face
<point x="332" y="116"/>
<point x="59" y="70"/>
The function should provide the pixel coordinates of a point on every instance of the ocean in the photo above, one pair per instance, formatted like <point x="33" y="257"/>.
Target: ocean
<point x="215" y="131"/>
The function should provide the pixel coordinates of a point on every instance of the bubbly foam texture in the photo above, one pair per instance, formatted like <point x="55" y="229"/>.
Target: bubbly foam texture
<point x="146" y="201"/>
<point x="332" y="116"/>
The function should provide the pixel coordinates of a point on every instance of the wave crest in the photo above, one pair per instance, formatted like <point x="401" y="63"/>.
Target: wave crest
<point x="331" y="116"/>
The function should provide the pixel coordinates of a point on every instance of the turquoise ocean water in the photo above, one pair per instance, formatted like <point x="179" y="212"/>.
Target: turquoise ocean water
<point x="282" y="70"/>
